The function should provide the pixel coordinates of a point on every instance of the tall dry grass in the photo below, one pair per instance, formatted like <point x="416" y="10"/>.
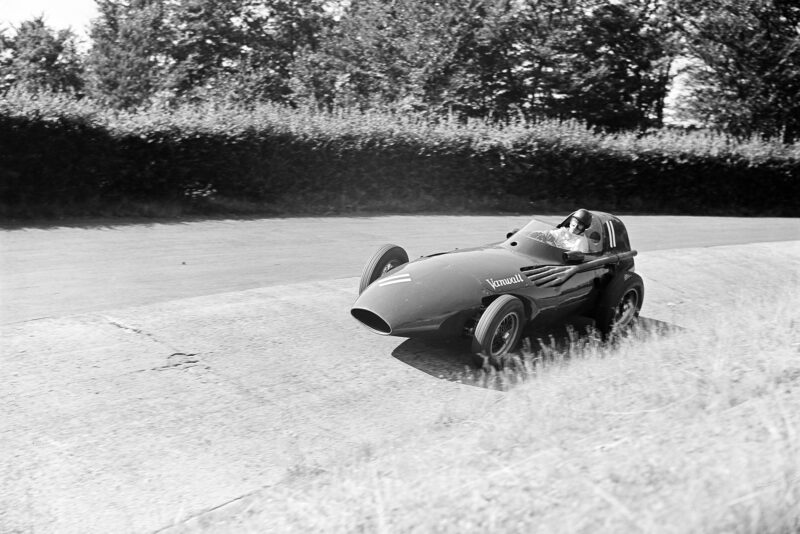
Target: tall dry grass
<point x="669" y="432"/>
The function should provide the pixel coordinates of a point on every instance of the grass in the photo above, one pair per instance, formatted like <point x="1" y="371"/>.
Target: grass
<point x="665" y="431"/>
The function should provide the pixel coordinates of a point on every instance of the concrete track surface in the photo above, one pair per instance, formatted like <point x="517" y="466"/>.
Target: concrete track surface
<point x="218" y="357"/>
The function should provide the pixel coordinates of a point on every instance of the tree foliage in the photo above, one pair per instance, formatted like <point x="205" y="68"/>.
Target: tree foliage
<point x="38" y="58"/>
<point x="206" y="38"/>
<point x="144" y="50"/>
<point x="243" y="48"/>
<point x="380" y="53"/>
<point x="604" y="63"/>
<point x="616" y="58"/>
<point x="127" y="61"/>
<point x="747" y="79"/>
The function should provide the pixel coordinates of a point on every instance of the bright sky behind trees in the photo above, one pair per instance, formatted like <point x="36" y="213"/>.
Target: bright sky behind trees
<point x="58" y="14"/>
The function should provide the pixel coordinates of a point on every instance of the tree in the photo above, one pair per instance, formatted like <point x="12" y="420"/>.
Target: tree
<point x="606" y="64"/>
<point x="434" y="55"/>
<point x="479" y="74"/>
<point x="235" y="49"/>
<point x="207" y="41"/>
<point x="363" y="60"/>
<point x="128" y="59"/>
<point x="6" y="58"/>
<point x="747" y="79"/>
<point x="619" y="74"/>
<point x="40" y="58"/>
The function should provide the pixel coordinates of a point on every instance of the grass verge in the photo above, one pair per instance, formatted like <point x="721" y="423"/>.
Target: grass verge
<point x="681" y="431"/>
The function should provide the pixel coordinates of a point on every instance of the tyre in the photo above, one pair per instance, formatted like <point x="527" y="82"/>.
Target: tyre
<point x="498" y="331"/>
<point x="620" y="304"/>
<point x="384" y="260"/>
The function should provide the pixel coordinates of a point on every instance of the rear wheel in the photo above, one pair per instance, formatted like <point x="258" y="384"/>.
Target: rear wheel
<point x="384" y="260"/>
<point x="498" y="331"/>
<point x="619" y="306"/>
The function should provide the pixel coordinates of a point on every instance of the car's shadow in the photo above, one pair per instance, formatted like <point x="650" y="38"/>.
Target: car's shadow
<point x="453" y="360"/>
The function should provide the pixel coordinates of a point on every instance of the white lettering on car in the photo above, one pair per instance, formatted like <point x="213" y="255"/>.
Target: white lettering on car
<point x="518" y="279"/>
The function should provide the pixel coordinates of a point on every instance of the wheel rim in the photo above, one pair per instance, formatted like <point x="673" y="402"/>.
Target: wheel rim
<point x="504" y="334"/>
<point x="389" y="266"/>
<point x="626" y="309"/>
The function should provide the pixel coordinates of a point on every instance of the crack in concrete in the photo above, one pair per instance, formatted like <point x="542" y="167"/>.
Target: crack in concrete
<point x="212" y="509"/>
<point x="185" y="360"/>
<point x="31" y="320"/>
<point x="284" y="479"/>
<point x="138" y="331"/>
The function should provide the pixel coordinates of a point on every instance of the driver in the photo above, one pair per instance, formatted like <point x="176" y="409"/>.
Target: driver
<point x="573" y="238"/>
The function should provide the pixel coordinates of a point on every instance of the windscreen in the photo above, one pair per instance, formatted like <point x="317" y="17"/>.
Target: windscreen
<point x="536" y="231"/>
<point x="535" y="240"/>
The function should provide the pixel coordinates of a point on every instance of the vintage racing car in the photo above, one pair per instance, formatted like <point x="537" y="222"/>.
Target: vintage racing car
<point x="493" y="292"/>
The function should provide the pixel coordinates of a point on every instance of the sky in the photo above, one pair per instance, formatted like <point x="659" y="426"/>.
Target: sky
<point x="58" y="14"/>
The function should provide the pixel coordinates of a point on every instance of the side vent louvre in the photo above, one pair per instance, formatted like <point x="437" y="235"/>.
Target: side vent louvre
<point x="548" y="275"/>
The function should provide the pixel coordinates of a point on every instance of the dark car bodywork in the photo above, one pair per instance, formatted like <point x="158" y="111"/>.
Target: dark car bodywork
<point x="444" y="294"/>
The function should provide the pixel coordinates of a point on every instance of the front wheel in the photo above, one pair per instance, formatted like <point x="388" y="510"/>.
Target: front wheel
<point x="498" y="330"/>
<point x="620" y="304"/>
<point x="384" y="260"/>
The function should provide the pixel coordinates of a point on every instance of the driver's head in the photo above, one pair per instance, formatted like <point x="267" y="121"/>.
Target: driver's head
<point x="580" y="221"/>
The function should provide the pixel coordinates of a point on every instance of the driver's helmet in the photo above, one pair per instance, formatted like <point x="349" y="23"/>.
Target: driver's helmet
<point x="583" y="217"/>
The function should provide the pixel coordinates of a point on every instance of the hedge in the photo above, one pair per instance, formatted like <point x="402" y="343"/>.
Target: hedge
<point x="54" y="149"/>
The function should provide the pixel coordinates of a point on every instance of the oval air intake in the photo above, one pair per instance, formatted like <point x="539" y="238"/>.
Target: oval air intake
<point x="371" y="320"/>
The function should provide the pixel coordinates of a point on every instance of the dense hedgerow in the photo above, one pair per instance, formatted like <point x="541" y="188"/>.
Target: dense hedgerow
<point x="54" y="149"/>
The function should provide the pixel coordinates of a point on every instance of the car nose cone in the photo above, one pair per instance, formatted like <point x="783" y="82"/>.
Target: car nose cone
<point x="414" y="299"/>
